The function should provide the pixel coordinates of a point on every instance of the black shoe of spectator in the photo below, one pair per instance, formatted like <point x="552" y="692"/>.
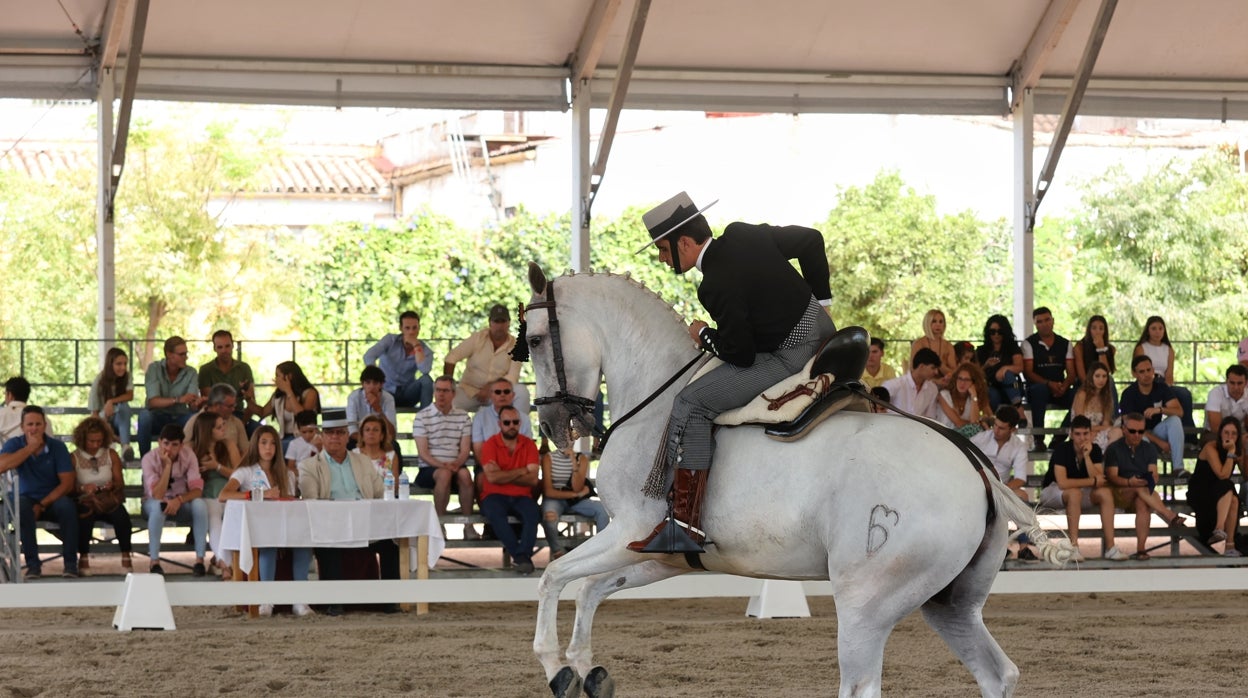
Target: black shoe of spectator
<point x="198" y="570"/>
<point x="157" y="569"/>
<point x="524" y="567"/>
<point x="333" y="610"/>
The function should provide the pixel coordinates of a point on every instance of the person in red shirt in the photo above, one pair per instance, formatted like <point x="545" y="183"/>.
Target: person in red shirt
<point x="511" y="469"/>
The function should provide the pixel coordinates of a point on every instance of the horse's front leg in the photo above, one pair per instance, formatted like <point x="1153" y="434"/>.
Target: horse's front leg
<point x="602" y="553"/>
<point x="596" y="589"/>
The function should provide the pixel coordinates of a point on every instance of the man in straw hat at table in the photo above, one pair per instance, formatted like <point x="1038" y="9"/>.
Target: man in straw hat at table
<point x="769" y="321"/>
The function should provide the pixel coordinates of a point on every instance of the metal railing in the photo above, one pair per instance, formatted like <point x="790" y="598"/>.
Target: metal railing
<point x="10" y="525"/>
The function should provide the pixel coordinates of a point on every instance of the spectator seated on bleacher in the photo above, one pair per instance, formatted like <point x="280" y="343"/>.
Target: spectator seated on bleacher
<point x="876" y="371"/>
<point x="173" y="489"/>
<point x="100" y="489"/>
<point x="1002" y="361"/>
<point x="1094" y="347"/>
<point x="226" y="369"/>
<point x="293" y="395"/>
<point x="443" y="438"/>
<point x="407" y="361"/>
<point x="1161" y="410"/>
<point x="1228" y="399"/>
<point x="1210" y="491"/>
<point x="1076" y="482"/>
<point x="307" y="444"/>
<point x="377" y="444"/>
<point x="16" y="393"/>
<point x="172" y="393"/>
<point x="1095" y="399"/>
<point x="1131" y="466"/>
<point x="963" y="406"/>
<point x="1006" y="449"/>
<point x="566" y="490"/>
<point x="218" y="449"/>
<point x="880" y="393"/>
<point x="45" y="483"/>
<point x="488" y="355"/>
<point x="509" y="460"/>
<point x="1155" y="344"/>
<point x="338" y="474"/>
<point x="110" y="396"/>
<point x="934" y="338"/>
<point x="916" y="392"/>
<point x="485" y="423"/>
<point x="370" y="399"/>
<point x="1049" y="367"/>
<point x="264" y="462"/>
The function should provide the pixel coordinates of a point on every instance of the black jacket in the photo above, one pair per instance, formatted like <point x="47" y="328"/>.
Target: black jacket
<point x="753" y="293"/>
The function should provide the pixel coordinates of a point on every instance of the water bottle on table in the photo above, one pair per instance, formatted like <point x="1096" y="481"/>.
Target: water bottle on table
<point x="405" y="486"/>
<point x="258" y="485"/>
<point x="388" y="484"/>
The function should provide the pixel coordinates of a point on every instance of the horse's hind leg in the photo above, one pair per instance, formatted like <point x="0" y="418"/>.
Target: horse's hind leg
<point x="956" y="614"/>
<point x="596" y="589"/>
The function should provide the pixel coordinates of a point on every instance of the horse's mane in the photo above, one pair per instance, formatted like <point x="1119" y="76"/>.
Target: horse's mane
<point x="628" y="279"/>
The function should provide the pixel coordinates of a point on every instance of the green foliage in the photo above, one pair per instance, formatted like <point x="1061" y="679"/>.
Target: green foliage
<point x="893" y="257"/>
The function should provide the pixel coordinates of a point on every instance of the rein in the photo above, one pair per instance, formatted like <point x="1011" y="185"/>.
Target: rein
<point x="578" y="405"/>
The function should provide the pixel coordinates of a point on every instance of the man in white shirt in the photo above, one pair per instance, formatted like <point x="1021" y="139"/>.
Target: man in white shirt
<point x="916" y="391"/>
<point x="1006" y="450"/>
<point x="1227" y="400"/>
<point x="16" y="393"/>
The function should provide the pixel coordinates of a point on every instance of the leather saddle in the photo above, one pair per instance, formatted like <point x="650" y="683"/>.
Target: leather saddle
<point x="829" y="384"/>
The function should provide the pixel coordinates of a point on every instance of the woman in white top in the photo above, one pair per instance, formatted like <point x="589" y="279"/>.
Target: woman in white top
<point x="1095" y="400"/>
<point x="964" y="406"/>
<point x="264" y="463"/>
<point x="375" y="443"/>
<point x="98" y="469"/>
<point x="294" y="394"/>
<point x="566" y="490"/>
<point x="1155" y="344"/>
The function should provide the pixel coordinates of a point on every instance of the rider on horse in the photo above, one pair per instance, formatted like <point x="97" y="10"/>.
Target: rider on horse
<point x="769" y="321"/>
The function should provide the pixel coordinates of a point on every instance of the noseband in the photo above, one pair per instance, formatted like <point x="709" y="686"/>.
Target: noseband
<point x="579" y="406"/>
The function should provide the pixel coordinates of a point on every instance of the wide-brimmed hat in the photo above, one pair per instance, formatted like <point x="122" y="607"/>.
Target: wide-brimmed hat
<point x="332" y="419"/>
<point x="667" y="217"/>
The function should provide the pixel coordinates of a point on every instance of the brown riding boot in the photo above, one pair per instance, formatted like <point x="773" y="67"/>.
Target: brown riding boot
<point x="681" y="532"/>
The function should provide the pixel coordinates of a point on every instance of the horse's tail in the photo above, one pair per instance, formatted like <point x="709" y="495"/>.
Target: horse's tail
<point x="1014" y="509"/>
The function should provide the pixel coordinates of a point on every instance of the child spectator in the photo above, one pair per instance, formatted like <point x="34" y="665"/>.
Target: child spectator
<point x="307" y="444"/>
<point x="110" y="396"/>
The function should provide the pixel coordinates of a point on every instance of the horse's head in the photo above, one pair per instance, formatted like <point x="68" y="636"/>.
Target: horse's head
<point x="566" y="358"/>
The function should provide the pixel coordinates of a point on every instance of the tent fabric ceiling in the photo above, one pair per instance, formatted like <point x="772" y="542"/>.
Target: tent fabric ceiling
<point x="1160" y="58"/>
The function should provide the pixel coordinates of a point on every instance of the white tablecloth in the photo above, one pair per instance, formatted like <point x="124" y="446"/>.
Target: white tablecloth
<point x="327" y="524"/>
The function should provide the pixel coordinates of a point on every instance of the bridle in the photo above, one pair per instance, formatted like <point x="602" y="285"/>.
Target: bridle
<point x="579" y="407"/>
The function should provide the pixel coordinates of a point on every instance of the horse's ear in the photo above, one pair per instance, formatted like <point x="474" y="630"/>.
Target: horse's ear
<point x="537" y="280"/>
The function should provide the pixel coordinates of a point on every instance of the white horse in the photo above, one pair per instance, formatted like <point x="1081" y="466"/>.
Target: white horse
<point x="888" y="509"/>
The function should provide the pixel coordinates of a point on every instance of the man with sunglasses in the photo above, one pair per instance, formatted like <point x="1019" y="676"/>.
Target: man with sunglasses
<point x="509" y="461"/>
<point x="1131" y="466"/>
<point x="485" y="423"/>
<point x="172" y="393"/>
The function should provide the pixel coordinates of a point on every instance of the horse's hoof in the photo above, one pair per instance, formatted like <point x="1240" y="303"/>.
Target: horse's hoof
<point x="566" y="684"/>
<point x="599" y="684"/>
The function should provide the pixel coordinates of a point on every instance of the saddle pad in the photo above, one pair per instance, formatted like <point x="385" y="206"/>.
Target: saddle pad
<point x="758" y="411"/>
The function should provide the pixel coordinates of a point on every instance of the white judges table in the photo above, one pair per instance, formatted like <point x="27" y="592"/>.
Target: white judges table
<point x="300" y="523"/>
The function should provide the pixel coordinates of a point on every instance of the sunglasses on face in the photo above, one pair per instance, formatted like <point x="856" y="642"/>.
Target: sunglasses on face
<point x="509" y="422"/>
<point x="1135" y="431"/>
<point x="504" y="391"/>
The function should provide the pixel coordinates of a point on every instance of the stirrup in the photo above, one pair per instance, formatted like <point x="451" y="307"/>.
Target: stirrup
<point x="674" y="539"/>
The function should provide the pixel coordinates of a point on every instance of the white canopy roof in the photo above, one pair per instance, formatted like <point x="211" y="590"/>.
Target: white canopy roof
<point x="1160" y="57"/>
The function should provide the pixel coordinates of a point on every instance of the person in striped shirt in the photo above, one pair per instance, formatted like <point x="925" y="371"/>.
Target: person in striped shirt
<point x="443" y="437"/>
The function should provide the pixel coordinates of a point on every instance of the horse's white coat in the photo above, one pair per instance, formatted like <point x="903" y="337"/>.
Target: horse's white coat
<point x="887" y="509"/>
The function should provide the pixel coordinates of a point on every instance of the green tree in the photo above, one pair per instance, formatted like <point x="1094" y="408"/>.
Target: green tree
<point x="893" y="257"/>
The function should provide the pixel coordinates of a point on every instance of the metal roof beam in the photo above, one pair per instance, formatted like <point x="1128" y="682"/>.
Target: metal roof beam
<point x="1029" y="66"/>
<point x="112" y="32"/>
<point x="133" y="57"/>
<point x="1080" y="83"/>
<point x="593" y="40"/>
<point x="619" y="90"/>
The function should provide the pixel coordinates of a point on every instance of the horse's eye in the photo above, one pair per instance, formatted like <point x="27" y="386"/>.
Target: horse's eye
<point x="535" y="342"/>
